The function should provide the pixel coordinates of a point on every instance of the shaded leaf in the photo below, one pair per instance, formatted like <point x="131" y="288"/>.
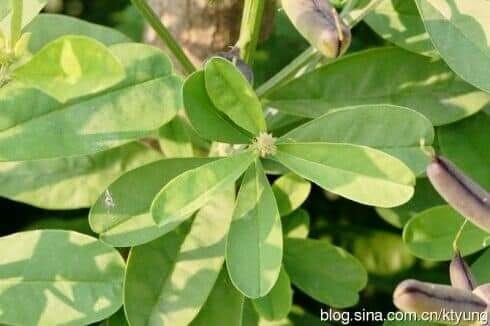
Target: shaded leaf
<point x="58" y="277"/>
<point x="290" y="192"/>
<point x="358" y="173"/>
<point x="296" y="224"/>
<point x="174" y="138"/>
<point x="277" y="303"/>
<point x="232" y="94"/>
<point x="168" y="280"/>
<point x="254" y="246"/>
<point x="481" y="267"/>
<point x="421" y="84"/>
<point x="430" y="235"/>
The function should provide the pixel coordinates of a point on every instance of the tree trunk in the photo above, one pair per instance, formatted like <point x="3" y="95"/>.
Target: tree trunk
<point x="204" y="27"/>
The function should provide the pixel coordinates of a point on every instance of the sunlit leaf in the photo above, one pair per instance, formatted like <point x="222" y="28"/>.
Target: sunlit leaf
<point x="290" y="192"/>
<point x="296" y="224"/>
<point x="277" y="303"/>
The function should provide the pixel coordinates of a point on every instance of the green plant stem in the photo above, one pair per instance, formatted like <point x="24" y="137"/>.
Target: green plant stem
<point x="351" y="18"/>
<point x="253" y="12"/>
<point x="16" y="22"/>
<point x="166" y="37"/>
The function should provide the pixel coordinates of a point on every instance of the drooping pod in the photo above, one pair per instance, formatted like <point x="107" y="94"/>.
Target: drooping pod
<point x="420" y="297"/>
<point x="460" y="274"/>
<point x="483" y="291"/>
<point x="462" y="193"/>
<point x="233" y="55"/>
<point x="320" y="25"/>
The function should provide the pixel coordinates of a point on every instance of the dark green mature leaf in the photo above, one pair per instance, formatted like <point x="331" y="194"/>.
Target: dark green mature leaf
<point x="466" y="144"/>
<point x="232" y="94"/>
<point x="70" y="67"/>
<point x="460" y="31"/>
<point x="368" y="77"/>
<point x="191" y="190"/>
<point x="430" y="235"/>
<point x="30" y="9"/>
<point x="43" y="32"/>
<point x="121" y="217"/>
<point x="355" y="172"/>
<point x="72" y="182"/>
<point x="254" y="246"/>
<point x="58" y="277"/>
<point x="35" y="126"/>
<point x="278" y="302"/>
<point x="290" y="192"/>
<point x="481" y="267"/>
<point x="208" y="121"/>
<point x="341" y="275"/>
<point x="168" y="280"/>
<point x="373" y="126"/>
<point x="399" y="22"/>
<point x="424" y="198"/>
<point x="296" y="224"/>
<point x="223" y="306"/>
<point x="118" y="319"/>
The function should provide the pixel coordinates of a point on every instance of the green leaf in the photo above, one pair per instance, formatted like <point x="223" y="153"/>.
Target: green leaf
<point x="191" y="190"/>
<point x="399" y="22"/>
<point x="224" y="304"/>
<point x="481" y="267"/>
<point x="372" y="125"/>
<point x="359" y="173"/>
<point x="296" y="224"/>
<point x="256" y="226"/>
<point x="466" y="144"/>
<point x="231" y="93"/>
<point x="145" y="100"/>
<point x="30" y="9"/>
<point x="43" y="32"/>
<point x="168" y="280"/>
<point x="290" y="192"/>
<point x="424" y="198"/>
<point x="72" y="182"/>
<point x="122" y="218"/>
<point x="382" y="253"/>
<point x="278" y="302"/>
<point x="71" y="222"/>
<point x="118" y="319"/>
<point x="430" y="235"/>
<point x="421" y="83"/>
<point x="58" y="278"/>
<point x="175" y="140"/>
<point x="460" y="31"/>
<point x="205" y="117"/>
<point x="70" y="67"/>
<point x="342" y="276"/>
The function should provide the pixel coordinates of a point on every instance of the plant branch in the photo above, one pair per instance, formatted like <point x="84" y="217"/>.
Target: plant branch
<point x="253" y="12"/>
<point x="351" y="18"/>
<point x="164" y="34"/>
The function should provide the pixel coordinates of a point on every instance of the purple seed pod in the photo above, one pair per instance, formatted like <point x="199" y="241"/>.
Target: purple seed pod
<point x="233" y="55"/>
<point x="420" y="297"/>
<point x="320" y="25"/>
<point x="483" y="291"/>
<point x="460" y="274"/>
<point x="462" y="193"/>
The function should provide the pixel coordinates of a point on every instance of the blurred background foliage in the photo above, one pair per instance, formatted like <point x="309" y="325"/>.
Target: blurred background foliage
<point x="357" y="228"/>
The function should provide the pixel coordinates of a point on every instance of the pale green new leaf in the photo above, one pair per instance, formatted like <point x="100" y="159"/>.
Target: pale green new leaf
<point x="460" y="31"/>
<point x="368" y="77"/>
<point x="122" y="218"/>
<point x="208" y="121"/>
<point x="70" y="67"/>
<point x="58" y="278"/>
<point x="326" y="273"/>
<point x="296" y="224"/>
<point x="43" y="32"/>
<point x="290" y="192"/>
<point x="359" y="173"/>
<point x="399" y="22"/>
<point x="72" y="182"/>
<point x="168" y="280"/>
<point x="35" y="126"/>
<point x="191" y="190"/>
<point x="373" y="126"/>
<point x="254" y="246"/>
<point x="277" y="304"/>
<point x="430" y="235"/>
<point x="232" y="94"/>
<point x="30" y="9"/>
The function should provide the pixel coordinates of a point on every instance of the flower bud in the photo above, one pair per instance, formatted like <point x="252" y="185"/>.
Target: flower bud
<point x="462" y="193"/>
<point x="320" y="24"/>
